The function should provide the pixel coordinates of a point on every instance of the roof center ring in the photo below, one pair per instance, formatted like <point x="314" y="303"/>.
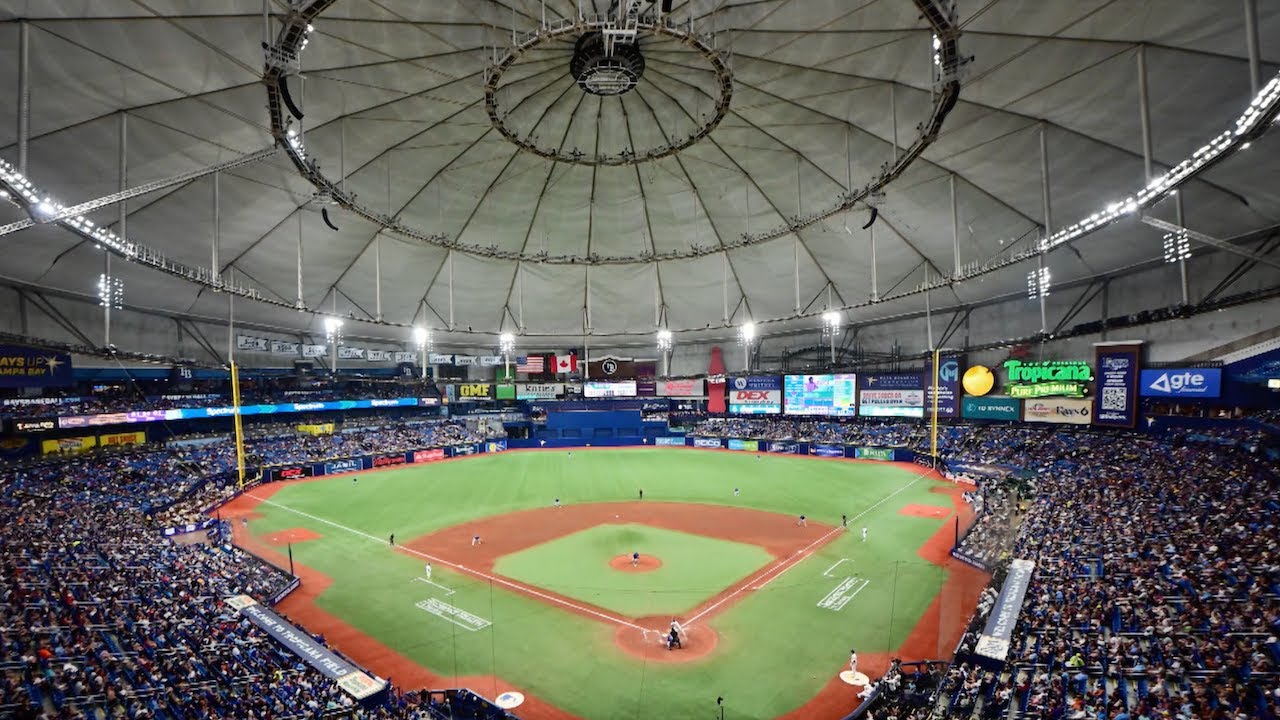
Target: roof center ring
<point x="608" y="59"/>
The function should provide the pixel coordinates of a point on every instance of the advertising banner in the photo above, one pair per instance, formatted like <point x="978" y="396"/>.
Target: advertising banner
<point x="279" y="347"/>
<point x="784" y="447"/>
<point x="669" y="441"/>
<point x="401" y="356"/>
<point x="130" y="438"/>
<point x="29" y="367"/>
<point x="27" y="426"/>
<point x="992" y="407"/>
<point x="867" y="453"/>
<point x="494" y="446"/>
<point x="755" y="395"/>
<point x="891" y="403"/>
<point x="605" y="389"/>
<point x="490" y="360"/>
<point x="68" y="445"/>
<point x="539" y="391"/>
<point x="504" y="391"/>
<point x="748" y="445"/>
<point x="1190" y="383"/>
<point x="1067" y="411"/>
<point x="706" y="442"/>
<point x="439" y="359"/>
<point x="994" y="640"/>
<point x="1069" y="378"/>
<point x="334" y="467"/>
<point x="474" y="391"/>
<point x="891" y="381"/>
<point x="389" y="460"/>
<point x="291" y="472"/>
<point x="346" y="352"/>
<point x="945" y="380"/>
<point x="350" y="678"/>
<point x="432" y="455"/>
<point x="249" y="342"/>
<point x="1116" y="402"/>
<point x="315" y="351"/>
<point x="681" y="388"/>
<point x="378" y="356"/>
<point x="831" y="395"/>
<point x="827" y="450"/>
<point x="42" y="401"/>
<point x="464" y="360"/>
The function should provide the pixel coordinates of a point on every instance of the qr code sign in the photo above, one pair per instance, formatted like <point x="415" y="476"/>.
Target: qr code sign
<point x="1113" y="398"/>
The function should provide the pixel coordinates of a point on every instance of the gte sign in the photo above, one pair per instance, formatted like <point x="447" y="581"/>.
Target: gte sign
<point x="1182" y="382"/>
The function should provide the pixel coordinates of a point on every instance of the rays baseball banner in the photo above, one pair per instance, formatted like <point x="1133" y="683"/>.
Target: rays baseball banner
<point x="1064" y="411"/>
<point x="29" y="367"/>
<point x="1116" y="401"/>
<point x="350" y="353"/>
<point x="756" y="395"/>
<point x="439" y="359"/>
<point x="279" y="347"/>
<point x="947" y="377"/>
<point x="490" y="360"/>
<point x="315" y="351"/>
<point x="404" y="357"/>
<point x="350" y="678"/>
<point x="248" y="342"/>
<point x="461" y="360"/>
<point x="378" y="356"/>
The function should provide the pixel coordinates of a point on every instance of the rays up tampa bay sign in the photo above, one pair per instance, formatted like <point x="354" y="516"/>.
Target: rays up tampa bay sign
<point x="1068" y="378"/>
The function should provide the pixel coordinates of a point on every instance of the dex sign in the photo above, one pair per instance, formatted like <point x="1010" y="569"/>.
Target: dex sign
<point x="755" y="395"/>
<point x="1182" y="382"/>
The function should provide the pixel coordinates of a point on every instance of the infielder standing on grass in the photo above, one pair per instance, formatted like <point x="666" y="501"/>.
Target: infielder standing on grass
<point x="426" y="570"/>
<point x="803" y="522"/>
<point x="557" y="503"/>
<point x="864" y="534"/>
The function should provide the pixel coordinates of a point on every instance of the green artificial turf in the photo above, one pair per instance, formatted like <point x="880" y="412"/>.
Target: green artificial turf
<point x="777" y="647"/>
<point x="694" y="568"/>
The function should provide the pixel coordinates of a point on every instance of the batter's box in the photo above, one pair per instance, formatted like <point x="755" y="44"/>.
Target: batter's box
<point x="843" y="593"/>
<point x="455" y="615"/>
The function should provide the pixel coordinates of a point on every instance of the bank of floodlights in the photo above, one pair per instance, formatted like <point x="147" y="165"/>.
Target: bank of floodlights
<point x="333" y="330"/>
<point x="1038" y="283"/>
<point x="421" y="338"/>
<point x="665" y="340"/>
<point x="506" y="343"/>
<point x="1177" y="246"/>
<point x="830" y="322"/>
<point x="747" y="333"/>
<point x="110" y="292"/>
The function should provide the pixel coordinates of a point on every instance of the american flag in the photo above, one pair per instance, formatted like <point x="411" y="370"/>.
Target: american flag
<point x="534" y="364"/>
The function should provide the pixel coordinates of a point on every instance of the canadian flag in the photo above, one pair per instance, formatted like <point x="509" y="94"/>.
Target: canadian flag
<point x="564" y="363"/>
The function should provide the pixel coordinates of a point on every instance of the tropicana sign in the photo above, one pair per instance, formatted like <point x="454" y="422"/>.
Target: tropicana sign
<point x="1068" y="378"/>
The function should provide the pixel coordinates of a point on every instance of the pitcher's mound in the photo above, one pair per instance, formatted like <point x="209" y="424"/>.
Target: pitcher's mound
<point x="696" y="643"/>
<point x="648" y="563"/>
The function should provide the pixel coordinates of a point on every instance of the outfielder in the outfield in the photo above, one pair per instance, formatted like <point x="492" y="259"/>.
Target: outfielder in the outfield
<point x="864" y="534"/>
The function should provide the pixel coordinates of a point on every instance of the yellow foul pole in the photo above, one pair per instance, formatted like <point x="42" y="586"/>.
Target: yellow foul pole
<point x="933" y="442"/>
<point x="235" y="402"/>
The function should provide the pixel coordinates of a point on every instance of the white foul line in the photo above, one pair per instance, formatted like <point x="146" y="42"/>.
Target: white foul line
<point x="455" y="566"/>
<point x="827" y="572"/>
<point x="795" y="558"/>
<point x="447" y="591"/>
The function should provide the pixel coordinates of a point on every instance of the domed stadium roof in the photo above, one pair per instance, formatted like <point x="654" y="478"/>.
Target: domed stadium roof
<point x="486" y="167"/>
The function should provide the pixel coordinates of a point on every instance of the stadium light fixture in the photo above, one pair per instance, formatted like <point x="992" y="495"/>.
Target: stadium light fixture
<point x="421" y="337"/>
<point x="746" y="333"/>
<point x="332" y="329"/>
<point x="665" y="340"/>
<point x="1177" y="246"/>
<point x="110" y="292"/>
<point x="1038" y="283"/>
<point x="506" y="343"/>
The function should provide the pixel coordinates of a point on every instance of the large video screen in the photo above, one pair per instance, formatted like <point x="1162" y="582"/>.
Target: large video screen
<point x="830" y="395"/>
<point x="616" y="388"/>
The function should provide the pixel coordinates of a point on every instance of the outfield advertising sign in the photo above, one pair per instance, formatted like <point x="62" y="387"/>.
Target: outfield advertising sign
<point x="828" y="451"/>
<point x="755" y="395"/>
<point x="1068" y="378"/>
<point x="292" y="472"/>
<point x="681" y="388"/>
<point x="946" y="381"/>
<point x="539" y="391"/>
<point x="784" y="447"/>
<point x="669" y="441"/>
<point x="891" y="403"/>
<point x="1063" y="411"/>
<point x="867" y="453"/>
<point x="707" y="442"/>
<point x="748" y="445"/>
<point x="1182" y="383"/>
<point x="389" y="460"/>
<point x="991" y="407"/>
<point x="341" y="466"/>
<point x="494" y="446"/>
<point x="432" y="455"/>
<point x="1116" y="404"/>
